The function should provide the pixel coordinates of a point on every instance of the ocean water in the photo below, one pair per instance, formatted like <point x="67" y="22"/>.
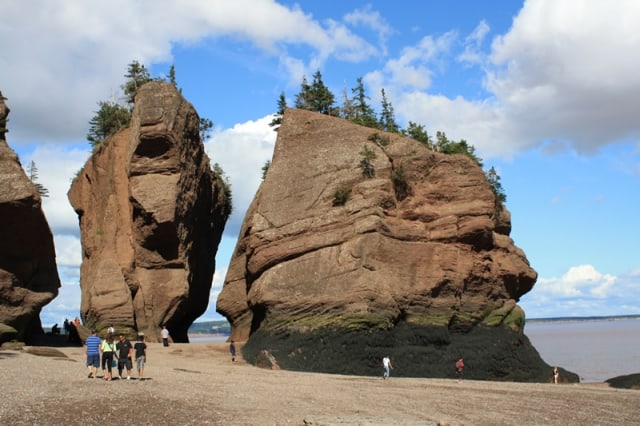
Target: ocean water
<point x="595" y="349"/>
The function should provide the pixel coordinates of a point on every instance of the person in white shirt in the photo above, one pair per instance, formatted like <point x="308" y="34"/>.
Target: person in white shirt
<point x="386" y="363"/>
<point x="165" y="335"/>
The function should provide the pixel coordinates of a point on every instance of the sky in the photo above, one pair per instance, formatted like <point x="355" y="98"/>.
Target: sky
<point x="547" y="91"/>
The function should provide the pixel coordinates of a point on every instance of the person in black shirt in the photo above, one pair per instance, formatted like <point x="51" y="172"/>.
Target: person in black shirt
<point x="125" y="350"/>
<point x="140" y="349"/>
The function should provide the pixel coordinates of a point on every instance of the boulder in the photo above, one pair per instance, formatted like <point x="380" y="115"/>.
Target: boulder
<point x="151" y="213"/>
<point x="28" y="274"/>
<point x="334" y="269"/>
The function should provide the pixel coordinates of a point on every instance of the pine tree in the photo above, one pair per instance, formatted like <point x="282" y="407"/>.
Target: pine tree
<point x="277" y="117"/>
<point x="496" y="186"/>
<point x="363" y="114"/>
<point x="137" y="75"/>
<point x="387" y="116"/>
<point x="303" y="98"/>
<point x="109" y="119"/>
<point x="33" y="176"/>
<point x="204" y="127"/>
<point x="172" y="76"/>
<point x="418" y="132"/>
<point x="316" y="96"/>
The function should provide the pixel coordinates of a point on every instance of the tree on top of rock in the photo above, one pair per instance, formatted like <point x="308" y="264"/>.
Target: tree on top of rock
<point x="387" y="116"/>
<point x="316" y="96"/>
<point x="361" y="112"/>
<point x="109" y="119"/>
<point x="137" y="75"/>
<point x="33" y="176"/>
<point x="277" y="117"/>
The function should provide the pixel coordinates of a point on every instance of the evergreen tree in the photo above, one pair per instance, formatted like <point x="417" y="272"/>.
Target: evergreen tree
<point x="323" y="99"/>
<point x="224" y="179"/>
<point x="172" y="76"/>
<point x="265" y="168"/>
<point x="303" y="98"/>
<point x="137" y="75"/>
<point x="109" y="119"/>
<point x="33" y="176"/>
<point x="363" y="114"/>
<point x="418" y="132"/>
<point x="277" y="117"/>
<point x="204" y="127"/>
<point x="346" y="111"/>
<point x="387" y="116"/>
<point x="494" y="180"/>
<point x="316" y="96"/>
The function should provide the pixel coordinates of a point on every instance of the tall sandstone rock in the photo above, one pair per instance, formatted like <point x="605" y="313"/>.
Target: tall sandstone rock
<point x="417" y="264"/>
<point x="151" y="215"/>
<point x="28" y="274"/>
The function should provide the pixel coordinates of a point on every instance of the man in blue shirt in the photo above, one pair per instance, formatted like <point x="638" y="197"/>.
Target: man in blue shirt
<point x="92" y="349"/>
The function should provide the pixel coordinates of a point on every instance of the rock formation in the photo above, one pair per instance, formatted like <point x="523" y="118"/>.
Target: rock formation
<point x="28" y="274"/>
<point x="334" y="270"/>
<point x="151" y="215"/>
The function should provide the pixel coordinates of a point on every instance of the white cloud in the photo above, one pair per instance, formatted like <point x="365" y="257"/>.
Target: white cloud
<point x="472" y="53"/>
<point x="242" y="151"/>
<point x="59" y="60"/>
<point x="565" y="73"/>
<point x="584" y="291"/>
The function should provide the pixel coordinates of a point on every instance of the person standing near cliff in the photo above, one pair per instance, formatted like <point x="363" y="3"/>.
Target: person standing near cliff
<point x="108" y="349"/>
<point x="460" y="368"/>
<point x="92" y="350"/>
<point x="164" y="333"/>
<point x="140" y="349"/>
<point x="386" y="363"/>
<point x="125" y="350"/>
<point x="556" y="375"/>
<point x="232" y="351"/>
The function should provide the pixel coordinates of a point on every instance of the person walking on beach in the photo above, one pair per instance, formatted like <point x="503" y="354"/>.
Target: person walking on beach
<point x="164" y="333"/>
<point x="386" y="363"/>
<point x="232" y="351"/>
<point x="108" y="349"/>
<point x="124" y="356"/>
<point x="92" y="350"/>
<point x="140" y="349"/>
<point x="460" y="368"/>
<point x="556" y="375"/>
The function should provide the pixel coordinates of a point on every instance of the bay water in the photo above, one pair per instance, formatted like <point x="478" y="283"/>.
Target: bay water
<point x="595" y="349"/>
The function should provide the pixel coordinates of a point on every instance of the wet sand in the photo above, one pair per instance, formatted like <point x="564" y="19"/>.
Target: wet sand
<point x="195" y="384"/>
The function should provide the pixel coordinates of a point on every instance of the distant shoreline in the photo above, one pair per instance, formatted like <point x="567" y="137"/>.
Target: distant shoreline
<point x="576" y="319"/>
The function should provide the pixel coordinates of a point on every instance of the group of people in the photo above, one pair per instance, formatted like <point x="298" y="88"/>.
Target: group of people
<point x="386" y="365"/>
<point x="120" y="354"/>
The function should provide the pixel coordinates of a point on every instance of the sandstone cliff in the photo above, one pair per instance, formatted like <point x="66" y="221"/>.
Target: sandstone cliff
<point x="28" y="274"/>
<point x="417" y="263"/>
<point x="151" y="215"/>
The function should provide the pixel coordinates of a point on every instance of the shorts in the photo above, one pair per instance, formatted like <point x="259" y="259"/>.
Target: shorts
<point x="93" y="360"/>
<point x="140" y="362"/>
<point x="124" y="363"/>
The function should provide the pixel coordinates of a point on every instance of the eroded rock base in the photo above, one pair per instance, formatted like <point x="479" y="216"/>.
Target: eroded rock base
<point x="490" y="353"/>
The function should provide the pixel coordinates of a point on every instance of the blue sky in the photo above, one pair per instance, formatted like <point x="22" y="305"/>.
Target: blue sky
<point x="548" y="91"/>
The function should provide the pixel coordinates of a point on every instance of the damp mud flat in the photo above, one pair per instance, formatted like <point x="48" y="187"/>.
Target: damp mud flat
<point x="197" y="384"/>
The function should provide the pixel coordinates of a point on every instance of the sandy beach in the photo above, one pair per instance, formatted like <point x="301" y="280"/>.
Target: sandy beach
<point x="196" y="384"/>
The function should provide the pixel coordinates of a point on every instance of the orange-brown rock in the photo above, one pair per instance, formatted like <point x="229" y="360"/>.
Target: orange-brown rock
<point x="151" y="215"/>
<point x="28" y="274"/>
<point x="417" y="259"/>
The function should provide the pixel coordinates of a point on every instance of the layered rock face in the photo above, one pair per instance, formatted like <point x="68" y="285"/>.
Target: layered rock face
<point x="417" y="263"/>
<point x="151" y="215"/>
<point x="28" y="274"/>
